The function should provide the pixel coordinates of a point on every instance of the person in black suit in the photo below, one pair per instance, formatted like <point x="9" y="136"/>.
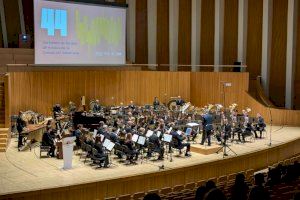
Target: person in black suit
<point x="260" y="126"/>
<point x="226" y="127"/>
<point x="154" y="139"/>
<point x="179" y="140"/>
<point x="207" y="128"/>
<point x="129" y="143"/>
<point x="48" y="140"/>
<point x="97" y="107"/>
<point x="179" y="101"/>
<point x="100" y="152"/>
<point x="156" y="103"/>
<point x="20" y="125"/>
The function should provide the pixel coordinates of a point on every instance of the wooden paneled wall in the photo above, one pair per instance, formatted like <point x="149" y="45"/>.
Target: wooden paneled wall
<point x="165" y="178"/>
<point x="278" y="52"/>
<point x="12" y="18"/>
<point x="38" y="91"/>
<point x="141" y="36"/>
<point x="230" y="31"/>
<point x="207" y="33"/>
<point x="297" y="68"/>
<point x="162" y="40"/>
<point x="254" y="37"/>
<point x="207" y="87"/>
<point x="184" y="33"/>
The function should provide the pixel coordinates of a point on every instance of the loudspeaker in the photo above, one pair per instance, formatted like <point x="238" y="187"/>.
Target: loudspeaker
<point x="237" y="69"/>
<point x="24" y="41"/>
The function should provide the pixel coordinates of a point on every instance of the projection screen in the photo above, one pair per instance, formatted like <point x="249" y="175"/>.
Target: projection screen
<point x="77" y="33"/>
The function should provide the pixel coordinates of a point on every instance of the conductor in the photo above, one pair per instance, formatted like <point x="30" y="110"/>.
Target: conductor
<point x="207" y="128"/>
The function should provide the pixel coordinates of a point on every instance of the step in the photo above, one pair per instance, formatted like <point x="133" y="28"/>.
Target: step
<point x="2" y="149"/>
<point x="3" y="145"/>
<point x="3" y="136"/>
<point x="3" y="140"/>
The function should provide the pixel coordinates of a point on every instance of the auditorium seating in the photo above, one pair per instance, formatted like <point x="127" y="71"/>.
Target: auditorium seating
<point x="225" y="182"/>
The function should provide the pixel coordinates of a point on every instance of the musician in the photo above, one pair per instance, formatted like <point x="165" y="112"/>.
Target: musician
<point x="20" y="126"/>
<point x="100" y="152"/>
<point x="239" y="130"/>
<point x="47" y="140"/>
<point x="78" y="134"/>
<point x="179" y="140"/>
<point x="131" y="105"/>
<point x="156" y="103"/>
<point x="72" y="108"/>
<point x="260" y="126"/>
<point x="207" y="128"/>
<point x="96" y="107"/>
<point x="57" y="112"/>
<point x="154" y="139"/>
<point x="129" y="143"/>
<point x="179" y="101"/>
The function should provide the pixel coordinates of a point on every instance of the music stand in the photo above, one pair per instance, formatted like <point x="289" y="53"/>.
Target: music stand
<point x="224" y="146"/>
<point x="167" y="139"/>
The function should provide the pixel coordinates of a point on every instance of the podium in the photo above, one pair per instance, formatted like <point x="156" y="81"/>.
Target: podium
<point x="68" y="144"/>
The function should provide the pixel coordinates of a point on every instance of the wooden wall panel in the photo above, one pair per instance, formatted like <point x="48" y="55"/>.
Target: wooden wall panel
<point x="297" y="67"/>
<point x="207" y="34"/>
<point x="162" y="40"/>
<point x="12" y="18"/>
<point x="38" y="91"/>
<point x="207" y="88"/>
<point x="230" y="32"/>
<point x="184" y="33"/>
<point x="254" y="37"/>
<point x="278" y="52"/>
<point x="141" y="35"/>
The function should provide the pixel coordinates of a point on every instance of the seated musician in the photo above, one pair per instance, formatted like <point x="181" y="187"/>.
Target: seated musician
<point x="260" y="126"/>
<point x="207" y="128"/>
<point x="179" y="140"/>
<point x="239" y="130"/>
<point x="47" y="140"/>
<point x="129" y="143"/>
<point x="96" y="107"/>
<point x="78" y="134"/>
<point x="100" y="152"/>
<point x="20" y="126"/>
<point x="156" y="103"/>
<point x="154" y="139"/>
<point x="179" y="101"/>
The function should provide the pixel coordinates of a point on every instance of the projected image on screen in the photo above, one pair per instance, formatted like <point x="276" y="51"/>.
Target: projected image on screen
<point x="72" y="33"/>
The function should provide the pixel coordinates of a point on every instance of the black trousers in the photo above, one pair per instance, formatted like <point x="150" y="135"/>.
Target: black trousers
<point x="206" y="135"/>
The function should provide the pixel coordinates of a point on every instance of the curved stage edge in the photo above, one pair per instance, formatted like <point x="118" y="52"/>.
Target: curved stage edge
<point x="120" y="180"/>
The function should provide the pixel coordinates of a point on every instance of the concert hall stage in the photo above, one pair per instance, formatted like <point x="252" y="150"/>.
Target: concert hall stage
<point x="22" y="172"/>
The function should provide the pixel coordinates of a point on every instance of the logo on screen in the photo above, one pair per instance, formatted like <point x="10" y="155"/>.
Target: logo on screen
<point x="54" y="19"/>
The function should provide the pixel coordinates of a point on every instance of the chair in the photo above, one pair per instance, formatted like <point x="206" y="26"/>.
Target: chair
<point x="178" y="188"/>
<point x="165" y="190"/>
<point x="138" y="195"/>
<point x="189" y="186"/>
<point x="89" y="151"/>
<point x="125" y="197"/>
<point x="222" y="181"/>
<point x="249" y="174"/>
<point x="111" y="198"/>
<point x="153" y="191"/>
<point x="200" y="183"/>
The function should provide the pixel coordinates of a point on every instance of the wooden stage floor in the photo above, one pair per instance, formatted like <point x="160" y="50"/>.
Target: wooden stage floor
<point x="25" y="171"/>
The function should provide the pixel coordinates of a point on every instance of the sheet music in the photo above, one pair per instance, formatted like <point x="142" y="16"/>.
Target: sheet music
<point x="188" y="131"/>
<point x="135" y="137"/>
<point x="149" y="133"/>
<point x="101" y="137"/>
<point x="179" y="132"/>
<point x="192" y="124"/>
<point x="141" y="140"/>
<point x="110" y="146"/>
<point x="106" y="143"/>
<point x="170" y="129"/>
<point x="94" y="133"/>
<point x="158" y="133"/>
<point x="167" y="138"/>
<point x="118" y="131"/>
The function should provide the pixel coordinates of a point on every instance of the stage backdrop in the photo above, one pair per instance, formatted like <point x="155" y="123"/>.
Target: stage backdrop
<point x="38" y="91"/>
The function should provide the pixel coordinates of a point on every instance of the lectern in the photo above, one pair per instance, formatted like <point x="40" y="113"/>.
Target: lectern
<point x="68" y="144"/>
